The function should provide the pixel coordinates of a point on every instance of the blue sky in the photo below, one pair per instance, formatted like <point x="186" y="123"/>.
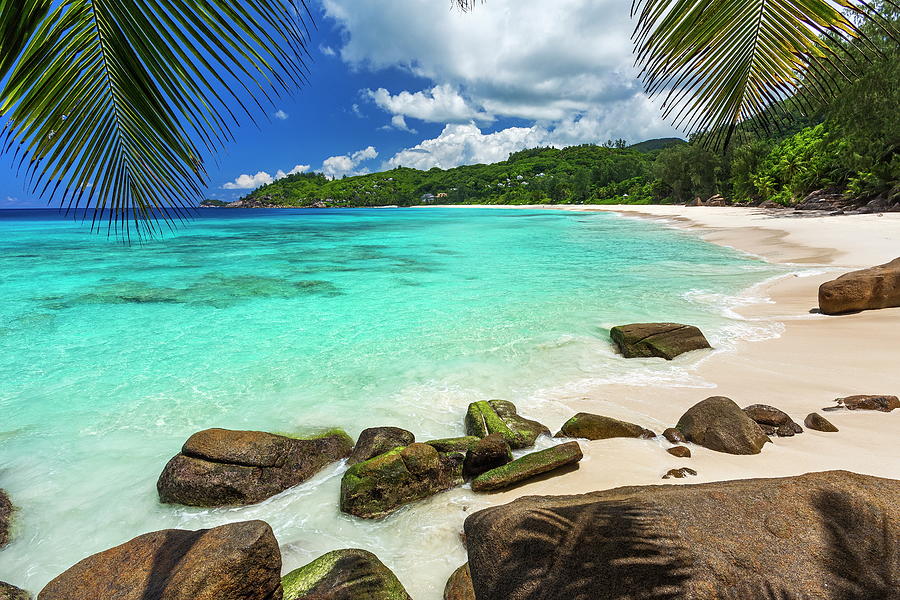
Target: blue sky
<point x="414" y="83"/>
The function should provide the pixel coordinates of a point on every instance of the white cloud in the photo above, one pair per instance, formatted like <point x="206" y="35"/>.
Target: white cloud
<point x="357" y="111"/>
<point x="440" y="104"/>
<point x="552" y="63"/>
<point x="347" y="164"/>
<point x="281" y="115"/>
<point x="461" y="144"/>
<point x="399" y="122"/>
<point x="297" y="169"/>
<point x="327" y="50"/>
<point x="249" y="182"/>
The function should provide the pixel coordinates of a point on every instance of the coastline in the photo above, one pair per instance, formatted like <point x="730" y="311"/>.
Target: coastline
<point x="816" y="358"/>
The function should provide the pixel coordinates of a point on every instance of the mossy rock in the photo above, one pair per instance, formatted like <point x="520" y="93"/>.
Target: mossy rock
<point x="457" y="444"/>
<point x="500" y="416"/>
<point x="597" y="427"/>
<point x="459" y="586"/>
<point x="378" y="486"/>
<point x="378" y="440"/>
<point x="530" y="465"/>
<point x="344" y="575"/>
<point x="220" y="467"/>
<point x="660" y="340"/>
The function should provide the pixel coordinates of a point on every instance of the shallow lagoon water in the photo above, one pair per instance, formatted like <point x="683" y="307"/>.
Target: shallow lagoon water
<point x="294" y="321"/>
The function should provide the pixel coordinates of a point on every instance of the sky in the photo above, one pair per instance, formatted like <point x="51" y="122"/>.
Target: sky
<point x="419" y="84"/>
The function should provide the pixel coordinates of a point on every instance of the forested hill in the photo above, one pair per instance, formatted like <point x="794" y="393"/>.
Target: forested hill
<point x="540" y="175"/>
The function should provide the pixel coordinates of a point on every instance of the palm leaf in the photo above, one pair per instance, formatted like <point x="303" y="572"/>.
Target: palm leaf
<point x="111" y="104"/>
<point x="718" y="63"/>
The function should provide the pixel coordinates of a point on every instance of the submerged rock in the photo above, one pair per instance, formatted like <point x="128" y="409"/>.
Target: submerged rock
<point x="828" y="536"/>
<point x="500" y="416"/>
<point x="679" y="473"/>
<point x="344" y="575"/>
<point x="378" y="440"/>
<point x="679" y="451"/>
<point x="719" y="424"/>
<point x="240" y="561"/>
<point x="380" y="485"/>
<point x="772" y="420"/>
<point x="6" y="510"/>
<point x="11" y="592"/>
<point x="874" y="288"/>
<point x="867" y="402"/>
<point x="674" y="436"/>
<point x="661" y="340"/>
<point x="459" y="586"/>
<point x="530" y="465"/>
<point x="489" y="453"/>
<point x="598" y="427"/>
<point x="817" y="422"/>
<point x="457" y="444"/>
<point x="220" y="467"/>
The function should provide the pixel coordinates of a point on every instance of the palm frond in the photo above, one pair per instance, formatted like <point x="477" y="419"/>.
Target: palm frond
<point x="112" y="104"/>
<point x="717" y="63"/>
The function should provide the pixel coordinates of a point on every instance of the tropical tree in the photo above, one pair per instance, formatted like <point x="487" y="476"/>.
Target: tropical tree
<point x="112" y="104"/>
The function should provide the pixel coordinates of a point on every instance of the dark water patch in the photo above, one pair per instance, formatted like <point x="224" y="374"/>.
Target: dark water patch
<point x="216" y="290"/>
<point x="446" y="252"/>
<point x="408" y="282"/>
<point x="31" y="320"/>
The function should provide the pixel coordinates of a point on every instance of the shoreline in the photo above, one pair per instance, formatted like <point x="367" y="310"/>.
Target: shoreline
<point x="816" y="358"/>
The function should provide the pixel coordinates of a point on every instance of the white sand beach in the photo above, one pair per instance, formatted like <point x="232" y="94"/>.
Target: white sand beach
<point x="816" y="359"/>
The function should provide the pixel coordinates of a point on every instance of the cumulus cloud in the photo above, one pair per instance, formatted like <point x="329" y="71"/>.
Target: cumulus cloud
<point x="547" y="63"/>
<point x="348" y="164"/>
<point x="399" y="122"/>
<point x="281" y="115"/>
<point x="460" y="144"/>
<point x="440" y="104"/>
<point x="297" y="169"/>
<point x="249" y="182"/>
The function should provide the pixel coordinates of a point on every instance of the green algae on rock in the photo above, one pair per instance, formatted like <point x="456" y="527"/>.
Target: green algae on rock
<point x="378" y="486"/>
<point x="527" y="467"/>
<point x="500" y="416"/>
<point x="599" y="427"/>
<point x="350" y="574"/>
<point x="378" y="440"/>
<point x="6" y="511"/>
<point x="457" y="444"/>
<point x="220" y="467"/>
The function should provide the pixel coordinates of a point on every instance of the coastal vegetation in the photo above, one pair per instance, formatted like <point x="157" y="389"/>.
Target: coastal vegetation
<point x="112" y="104"/>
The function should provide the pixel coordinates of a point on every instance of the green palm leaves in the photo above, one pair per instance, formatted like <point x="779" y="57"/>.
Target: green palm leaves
<point x="717" y="63"/>
<point x="111" y="104"/>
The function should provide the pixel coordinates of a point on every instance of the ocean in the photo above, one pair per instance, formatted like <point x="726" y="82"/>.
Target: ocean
<point x="300" y="320"/>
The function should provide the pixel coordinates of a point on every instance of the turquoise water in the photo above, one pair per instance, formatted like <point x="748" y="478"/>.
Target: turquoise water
<point x="296" y="320"/>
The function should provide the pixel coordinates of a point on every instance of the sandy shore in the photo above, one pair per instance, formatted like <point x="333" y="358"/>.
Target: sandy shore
<point x="816" y="359"/>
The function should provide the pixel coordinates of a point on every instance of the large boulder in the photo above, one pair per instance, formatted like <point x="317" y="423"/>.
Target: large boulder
<point x="527" y="467"/>
<point x="661" y="340"/>
<point x="378" y="440"/>
<point x="500" y="416"/>
<point x="344" y="575"/>
<point x="489" y="453"/>
<point x="11" y="592"/>
<point x="719" y="424"/>
<point x="459" y="586"/>
<point x="6" y="510"/>
<point x="457" y="444"/>
<point x="877" y="287"/>
<point x="598" y="427"/>
<point x="828" y="536"/>
<point x="220" y="467"/>
<point x="773" y="421"/>
<point x="380" y="485"/>
<point x="867" y="402"/>
<point x="240" y="561"/>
